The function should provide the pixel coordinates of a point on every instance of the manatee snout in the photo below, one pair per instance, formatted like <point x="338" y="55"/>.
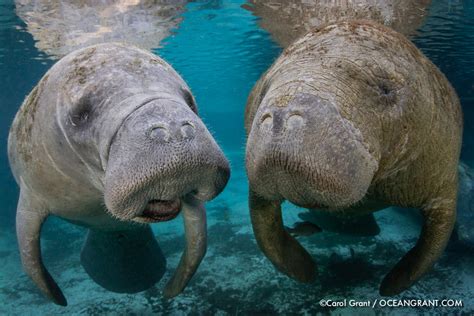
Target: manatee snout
<point x="161" y="154"/>
<point x="293" y="153"/>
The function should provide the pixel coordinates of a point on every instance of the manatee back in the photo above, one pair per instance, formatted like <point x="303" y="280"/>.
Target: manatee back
<point x="20" y="147"/>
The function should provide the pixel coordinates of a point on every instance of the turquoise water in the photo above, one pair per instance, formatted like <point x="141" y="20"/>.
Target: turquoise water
<point x="220" y="51"/>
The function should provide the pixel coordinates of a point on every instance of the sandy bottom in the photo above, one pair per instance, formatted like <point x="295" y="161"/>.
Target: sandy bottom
<point x="235" y="278"/>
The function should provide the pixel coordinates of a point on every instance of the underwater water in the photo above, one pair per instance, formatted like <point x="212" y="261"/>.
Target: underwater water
<point x="220" y="50"/>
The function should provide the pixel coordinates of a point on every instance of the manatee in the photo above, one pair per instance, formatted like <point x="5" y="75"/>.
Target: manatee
<point x="287" y="20"/>
<point x="350" y="119"/>
<point x="60" y="27"/>
<point x="110" y="139"/>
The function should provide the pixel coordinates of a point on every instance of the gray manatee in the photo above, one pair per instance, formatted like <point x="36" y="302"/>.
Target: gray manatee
<point x="350" y="119"/>
<point x="110" y="139"/>
<point x="60" y="27"/>
<point x="287" y="20"/>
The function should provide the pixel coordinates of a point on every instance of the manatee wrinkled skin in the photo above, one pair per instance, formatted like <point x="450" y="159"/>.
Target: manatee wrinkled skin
<point x="110" y="139"/>
<point x="60" y="27"/>
<point x="351" y="119"/>
<point x="287" y="20"/>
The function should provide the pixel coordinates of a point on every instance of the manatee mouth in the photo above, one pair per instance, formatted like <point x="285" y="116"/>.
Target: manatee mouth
<point x="160" y="211"/>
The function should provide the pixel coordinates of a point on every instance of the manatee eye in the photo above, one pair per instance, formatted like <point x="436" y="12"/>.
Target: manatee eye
<point x="80" y="115"/>
<point x="384" y="89"/>
<point x="189" y="99"/>
<point x="388" y="95"/>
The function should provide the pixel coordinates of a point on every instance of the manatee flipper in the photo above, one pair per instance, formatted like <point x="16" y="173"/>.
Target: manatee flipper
<point x="360" y="225"/>
<point x="29" y="220"/>
<point x="284" y="251"/>
<point x="126" y="261"/>
<point x="439" y="218"/>
<point x="195" y="227"/>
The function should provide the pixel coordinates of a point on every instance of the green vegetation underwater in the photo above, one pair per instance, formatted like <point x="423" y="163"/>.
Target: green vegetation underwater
<point x="221" y="48"/>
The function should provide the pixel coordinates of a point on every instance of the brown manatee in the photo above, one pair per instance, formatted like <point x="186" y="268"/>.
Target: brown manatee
<point x="350" y="119"/>
<point x="110" y="139"/>
<point x="60" y="27"/>
<point x="287" y="20"/>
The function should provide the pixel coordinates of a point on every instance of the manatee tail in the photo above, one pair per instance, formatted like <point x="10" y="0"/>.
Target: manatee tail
<point x="363" y="225"/>
<point x="126" y="261"/>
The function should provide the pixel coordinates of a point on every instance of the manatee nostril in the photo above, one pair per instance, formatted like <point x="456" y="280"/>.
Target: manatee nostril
<point x="187" y="130"/>
<point x="294" y="120"/>
<point x="160" y="133"/>
<point x="266" y="120"/>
